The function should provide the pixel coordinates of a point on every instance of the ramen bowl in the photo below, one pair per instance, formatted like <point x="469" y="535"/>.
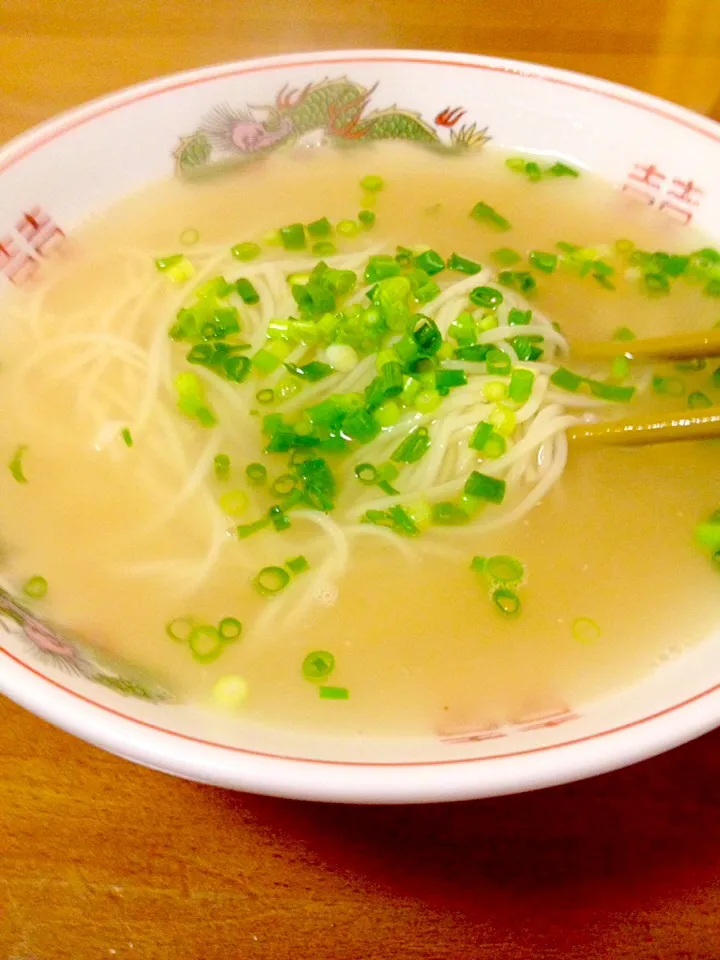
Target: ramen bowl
<point x="55" y="177"/>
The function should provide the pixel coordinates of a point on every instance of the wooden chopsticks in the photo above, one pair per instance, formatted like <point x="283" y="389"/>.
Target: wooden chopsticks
<point x="652" y="428"/>
<point x="679" y="346"/>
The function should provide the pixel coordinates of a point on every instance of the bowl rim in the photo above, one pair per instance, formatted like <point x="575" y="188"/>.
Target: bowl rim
<point x="341" y="780"/>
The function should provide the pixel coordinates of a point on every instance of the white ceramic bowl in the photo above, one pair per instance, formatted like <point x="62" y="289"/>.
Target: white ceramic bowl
<point x="55" y="176"/>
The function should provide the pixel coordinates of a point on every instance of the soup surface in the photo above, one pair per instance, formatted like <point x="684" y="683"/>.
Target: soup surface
<point x="133" y="521"/>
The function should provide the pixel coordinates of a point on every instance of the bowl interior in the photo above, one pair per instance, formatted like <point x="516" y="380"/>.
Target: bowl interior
<point x="54" y="178"/>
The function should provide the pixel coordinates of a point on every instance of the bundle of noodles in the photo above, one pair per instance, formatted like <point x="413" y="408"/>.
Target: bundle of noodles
<point x="385" y="395"/>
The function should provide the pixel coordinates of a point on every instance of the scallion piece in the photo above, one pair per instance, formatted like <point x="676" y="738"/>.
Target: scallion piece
<point x="334" y="693"/>
<point x="518" y="280"/>
<point x="127" y="437"/>
<point x="413" y="448"/>
<point x="348" y="228"/>
<point x="546" y="262"/>
<point x="506" y="602"/>
<point x="166" y="263"/>
<point x="402" y="522"/>
<point x="245" y="251"/>
<point x="506" y="257"/>
<point x="265" y="396"/>
<point x="611" y="391"/>
<point x="256" y="473"/>
<point x="480" y="436"/>
<point x="319" y="228"/>
<point x="189" y="237"/>
<point x="672" y="386"/>
<point x="367" y="218"/>
<point x="483" y="487"/>
<point x="279" y="518"/>
<point x="229" y="629"/>
<point x="234" y="503"/>
<point x="284" y="485"/>
<point x="381" y="267"/>
<point x="484" y="213"/>
<point x="221" y="464"/>
<point x="495" y="446"/>
<point x="205" y="643"/>
<point x="585" y="630"/>
<point x="504" y="569"/>
<point x="447" y="514"/>
<point x="698" y="400"/>
<point x="430" y="261"/>
<point x="35" y="588"/>
<point x="245" y="530"/>
<point x="565" y="379"/>
<point x="230" y="692"/>
<point x="487" y="297"/>
<point x="623" y="333"/>
<point x="265" y="362"/>
<point x="498" y="362"/>
<point x="246" y="291"/>
<point x="297" y="565"/>
<point x="372" y="183"/>
<point x="180" y="629"/>
<point x="16" y="465"/>
<point x="324" y="248"/>
<point x="367" y="474"/>
<point x="293" y="236"/>
<point x="318" y="665"/>
<point x="475" y="353"/>
<point x="271" y="580"/>
<point x="656" y="284"/>
<point x="521" y="385"/>
<point x="312" y="372"/>
<point x="446" y="380"/>
<point x="463" y="265"/>
<point x="559" y="169"/>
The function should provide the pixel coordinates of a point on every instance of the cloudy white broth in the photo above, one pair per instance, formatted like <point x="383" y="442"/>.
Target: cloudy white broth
<point x="293" y="441"/>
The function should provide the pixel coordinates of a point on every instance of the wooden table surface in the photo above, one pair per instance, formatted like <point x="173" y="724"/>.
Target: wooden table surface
<point x="100" y="859"/>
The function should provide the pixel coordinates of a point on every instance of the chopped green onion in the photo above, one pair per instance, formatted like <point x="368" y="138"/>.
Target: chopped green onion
<point x="381" y="267"/>
<point x="271" y="580"/>
<point x="279" y="518"/>
<point x="691" y="366"/>
<point x="229" y="629"/>
<point x="565" y="379"/>
<point x="699" y="400"/>
<point x="480" y="436"/>
<point x="484" y="213"/>
<point x="367" y="474"/>
<point x="166" y="263"/>
<point x="35" y="587"/>
<point x="367" y="218"/>
<point x="484" y="487"/>
<point x="656" y="284"/>
<point x="234" y="503"/>
<point x="446" y="380"/>
<point x="547" y="262"/>
<point x="318" y="665"/>
<point x="284" y="485"/>
<point x="463" y="265"/>
<point x="506" y="257"/>
<point x="256" y="473"/>
<point x="297" y="565"/>
<point x="205" y="643"/>
<point x="495" y="446"/>
<point x="293" y="236"/>
<point x="507" y="602"/>
<point x="372" y="184"/>
<point x="319" y="228"/>
<point x="447" y="514"/>
<point x="324" y="248"/>
<point x="427" y="400"/>
<point x="712" y="288"/>
<point x="610" y="391"/>
<point x="487" y="297"/>
<point x="498" y="362"/>
<point x="245" y="251"/>
<point x="230" y="692"/>
<point x="413" y="448"/>
<point x="430" y="261"/>
<point x="190" y="236"/>
<point x="504" y="569"/>
<point x="519" y="318"/>
<point x="476" y="353"/>
<point x="559" y="169"/>
<point x="265" y="362"/>
<point x="127" y="437"/>
<point x="334" y="693"/>
<point x="348" y="228"/>
<point x="245" y="530"/>
<point x="180" y="629"/>
<point x="477" y="564"/>
<point x="403" y="522"/>
<point x="672" y="386"/>
<point x="221" y="464"/>
<point x="503" y="419"/>
<point x="16" y="466"/>
<point x="246" y="291"/>
<point x="265" y="396"/>
<point x="623" y="333"/>
<point x="585" y="630"/>
<point x="312" y="372"/>
<point x="518" y="279"/>
<point x="620" y="368"/>
<point x="521" y="385"/>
